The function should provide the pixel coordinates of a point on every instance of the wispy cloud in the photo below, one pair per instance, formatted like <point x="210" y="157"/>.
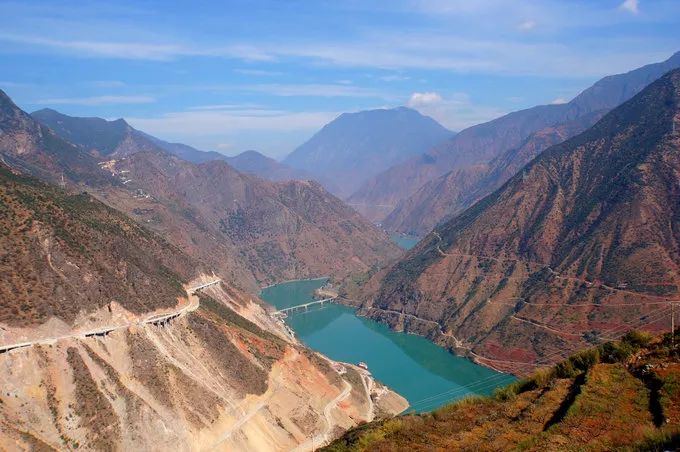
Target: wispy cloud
<point x="312" y="90"/>
<point x="96" y="100"/>
<point x="527" y="25"/>
<point x="258" y="72"/>
<point x="135" y="50"/>
<point x="108" y="83"/>
<point x="631" y="6"/>
<point x="218" y="122"/>
<point x="394" y="78"/>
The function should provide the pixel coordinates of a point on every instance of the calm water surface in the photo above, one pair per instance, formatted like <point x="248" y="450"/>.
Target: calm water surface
<point x="405" y="241"/>
<point x="427" y="375"/>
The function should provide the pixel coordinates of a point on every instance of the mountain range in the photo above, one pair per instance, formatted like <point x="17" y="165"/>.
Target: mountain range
<point x="580" y="241"/>
<point x="428" y="188"/>
<point x="88" y="367"/>
<point x="252" y="230"/>
<point x="356" y="146"/>
<point x="117" y="138"/>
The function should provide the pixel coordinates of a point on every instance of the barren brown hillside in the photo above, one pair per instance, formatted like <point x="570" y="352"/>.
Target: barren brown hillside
<point x="581" y="244"/>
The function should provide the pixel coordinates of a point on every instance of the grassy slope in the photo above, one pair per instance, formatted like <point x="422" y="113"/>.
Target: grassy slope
<point x="623" y="395"/>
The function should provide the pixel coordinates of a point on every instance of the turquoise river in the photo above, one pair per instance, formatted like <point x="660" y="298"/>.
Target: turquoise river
<point x="427" y="375"/>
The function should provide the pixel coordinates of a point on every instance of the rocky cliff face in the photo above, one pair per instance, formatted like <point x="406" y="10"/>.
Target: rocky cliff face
<point x="465" y="156"/>
<point x="579" y="243"/>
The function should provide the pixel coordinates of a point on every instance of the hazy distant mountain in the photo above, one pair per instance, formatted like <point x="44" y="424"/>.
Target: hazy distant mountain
<point x="583" y="239"/>
<point x="356" y="146"/>
<point x="253" y="162"/>
<point x="117" y="138"/>
<point x="106" y="138"/>
<point x="466" y="157"/>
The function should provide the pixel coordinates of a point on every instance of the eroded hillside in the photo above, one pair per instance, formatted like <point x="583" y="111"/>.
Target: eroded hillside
<point x="210" y="379"/>
<point x="109" y="342"/>
<point x="250" y="230"/>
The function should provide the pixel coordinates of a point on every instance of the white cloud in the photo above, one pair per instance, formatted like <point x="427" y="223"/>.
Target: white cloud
<point x="258" y="72"/>
<point x="97" y="100"/>
<point x="559" y="100"/>
<point x="527" y="25"/>
<point x="630" y="6"/>
<point x="424" y="99"/>
<point x="455" y="111"/>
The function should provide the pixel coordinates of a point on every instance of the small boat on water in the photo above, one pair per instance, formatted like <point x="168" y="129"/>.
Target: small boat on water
<point x="363" y="365"/>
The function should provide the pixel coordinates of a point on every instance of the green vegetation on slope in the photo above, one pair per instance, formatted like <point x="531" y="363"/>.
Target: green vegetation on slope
<point x="63" y="253"/>
<point x="621" y="395"/>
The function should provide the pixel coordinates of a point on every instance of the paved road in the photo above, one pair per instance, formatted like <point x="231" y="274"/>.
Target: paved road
<point x="104" y="330"/>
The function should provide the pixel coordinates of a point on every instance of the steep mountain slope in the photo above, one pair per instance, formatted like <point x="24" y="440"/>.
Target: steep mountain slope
<point x="104" y="344"/>
<point x="456" y="190"/>
<point x="582" y="240"/>
<point x="463" y="154"/>
<point x="49" y="237"/>
<point x="356" y="146"/>
<point x="621" y="396"/>
<point x="250" y="230"/>
<point x="99" y="136"/>
<point x="252" y="162"/>
<point x="277" y="231"/>
<point x="38" y="150"/>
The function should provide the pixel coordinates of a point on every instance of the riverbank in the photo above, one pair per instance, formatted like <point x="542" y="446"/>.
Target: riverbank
<point x="294" y="280"/>
<point x="426" y="374"/>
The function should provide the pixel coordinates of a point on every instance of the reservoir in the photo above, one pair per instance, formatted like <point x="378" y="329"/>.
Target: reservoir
<point x="404" y="241"/>
<point x="427" y="375"/>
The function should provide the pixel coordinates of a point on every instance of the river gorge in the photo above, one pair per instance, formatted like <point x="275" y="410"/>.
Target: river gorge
<point x="425" y="374"/>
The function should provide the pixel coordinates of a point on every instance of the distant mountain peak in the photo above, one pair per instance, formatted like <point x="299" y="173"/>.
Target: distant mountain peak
<point x="355" y="146"/>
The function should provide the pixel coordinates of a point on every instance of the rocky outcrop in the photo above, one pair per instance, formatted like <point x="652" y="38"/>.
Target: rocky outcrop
<point x="209" y="379"/>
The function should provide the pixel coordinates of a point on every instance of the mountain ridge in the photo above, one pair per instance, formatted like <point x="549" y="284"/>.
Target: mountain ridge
<point x="117" y="138"/>
<point x="480" y="144"/>
<point x="566" y="230"/>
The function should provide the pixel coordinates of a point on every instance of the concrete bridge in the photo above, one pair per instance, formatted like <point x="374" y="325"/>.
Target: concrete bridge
<point x="158" y="320"/>
<point x="302" y="307"/>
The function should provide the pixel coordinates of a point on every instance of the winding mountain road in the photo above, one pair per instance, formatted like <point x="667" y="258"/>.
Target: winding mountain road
<point x="322" y="439"/>
<point x="104" y="330"/>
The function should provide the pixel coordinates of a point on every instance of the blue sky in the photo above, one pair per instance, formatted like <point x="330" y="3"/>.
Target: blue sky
<point x="266" y="75"/>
